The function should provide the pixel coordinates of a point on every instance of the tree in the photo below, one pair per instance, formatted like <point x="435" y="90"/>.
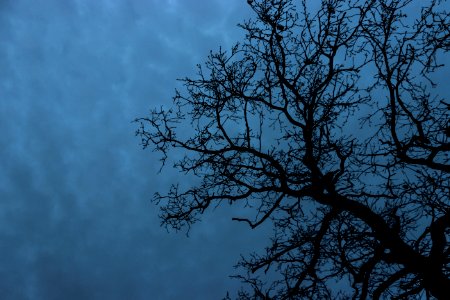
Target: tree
<point x="327" y="123"/>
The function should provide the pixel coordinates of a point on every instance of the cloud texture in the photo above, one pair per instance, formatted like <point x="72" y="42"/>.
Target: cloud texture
<point x="76" y="220"/>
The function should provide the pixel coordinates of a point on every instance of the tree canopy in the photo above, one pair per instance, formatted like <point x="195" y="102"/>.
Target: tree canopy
<point x="327" y="123"/>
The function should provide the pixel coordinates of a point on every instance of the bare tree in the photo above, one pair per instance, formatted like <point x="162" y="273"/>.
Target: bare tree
<point x="327" y="123"/>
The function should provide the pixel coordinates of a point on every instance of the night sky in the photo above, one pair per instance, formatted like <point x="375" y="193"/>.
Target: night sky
<point x="77" y="221"/>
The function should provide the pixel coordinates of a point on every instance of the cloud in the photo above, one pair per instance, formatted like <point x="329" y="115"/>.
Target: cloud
<point x="76" y="220"/>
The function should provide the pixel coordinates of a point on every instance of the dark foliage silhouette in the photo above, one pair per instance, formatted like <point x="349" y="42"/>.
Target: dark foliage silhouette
<point x="326" y="122"/>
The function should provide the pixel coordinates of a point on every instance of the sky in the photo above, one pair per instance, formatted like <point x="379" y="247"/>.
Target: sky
<point x="76" y="217"/>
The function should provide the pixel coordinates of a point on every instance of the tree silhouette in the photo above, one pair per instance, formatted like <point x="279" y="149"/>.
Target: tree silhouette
<point x="324" y="121"/>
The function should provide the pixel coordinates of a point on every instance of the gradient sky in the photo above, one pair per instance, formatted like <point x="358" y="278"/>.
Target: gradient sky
<point x="76" y="221"/>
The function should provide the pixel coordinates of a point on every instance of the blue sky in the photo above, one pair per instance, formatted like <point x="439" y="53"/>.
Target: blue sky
<point x="76" y="221"/>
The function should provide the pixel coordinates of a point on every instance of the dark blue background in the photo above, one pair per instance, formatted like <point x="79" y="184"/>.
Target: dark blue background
<point x="76" y="221"/>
